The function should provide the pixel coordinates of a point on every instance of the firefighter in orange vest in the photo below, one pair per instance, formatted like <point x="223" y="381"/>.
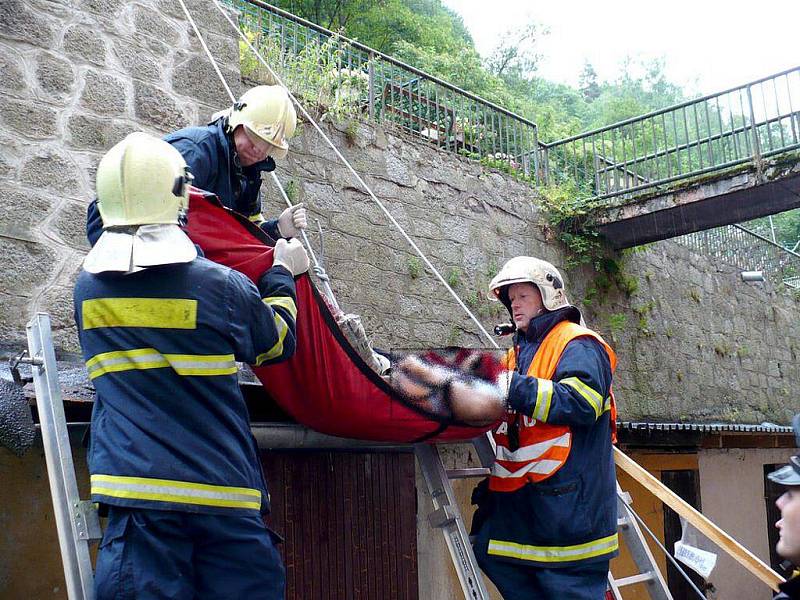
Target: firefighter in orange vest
<point x="546" y="524"/>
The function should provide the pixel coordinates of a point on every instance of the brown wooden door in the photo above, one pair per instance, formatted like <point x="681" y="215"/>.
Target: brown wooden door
<point x="349" y="523"/>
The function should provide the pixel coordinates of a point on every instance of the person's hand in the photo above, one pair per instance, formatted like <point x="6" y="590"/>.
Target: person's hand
<point x="292" y="221"/>
<point x="292" y="255"/>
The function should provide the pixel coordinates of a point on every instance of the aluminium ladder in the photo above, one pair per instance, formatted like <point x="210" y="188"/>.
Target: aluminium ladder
<point x="77" y="521"/>
<point x="447" y="517"/>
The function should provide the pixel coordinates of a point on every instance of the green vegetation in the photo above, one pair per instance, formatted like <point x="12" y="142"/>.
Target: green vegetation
<point x="292" y="190"/>
<point x="433" y="38"/>
<point x="453" y="278"/>
<point x="414" y="267"/>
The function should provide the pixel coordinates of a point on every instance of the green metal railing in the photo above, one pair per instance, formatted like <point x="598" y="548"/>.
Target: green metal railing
<point x="743" y="248"/>
<point x="711" y="134"/>
<point x="323" y="67"/>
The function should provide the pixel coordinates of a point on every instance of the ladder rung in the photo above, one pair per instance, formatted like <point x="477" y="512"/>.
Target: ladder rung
<point x="467" y="473"/>
<point x="633" y="579"/>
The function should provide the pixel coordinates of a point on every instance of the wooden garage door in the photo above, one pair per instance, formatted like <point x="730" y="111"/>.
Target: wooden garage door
<point x="349" y="523"/>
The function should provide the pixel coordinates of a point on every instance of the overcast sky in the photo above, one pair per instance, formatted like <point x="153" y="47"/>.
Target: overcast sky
<point x="708" y="45"/>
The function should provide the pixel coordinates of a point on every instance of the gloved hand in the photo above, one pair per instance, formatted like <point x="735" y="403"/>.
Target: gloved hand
<point x="292" y="220"/>
<point x="292" y="255"/>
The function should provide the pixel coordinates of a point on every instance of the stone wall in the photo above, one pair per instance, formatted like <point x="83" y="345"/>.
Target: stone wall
<point x="78" y="75"/>
<point x="694" y="342"/>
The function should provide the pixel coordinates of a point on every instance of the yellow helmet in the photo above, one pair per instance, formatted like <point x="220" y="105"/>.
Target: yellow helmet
<point x="267" y="112"/>
<point x="142" y="181"/>
<point x="532" y="270"/>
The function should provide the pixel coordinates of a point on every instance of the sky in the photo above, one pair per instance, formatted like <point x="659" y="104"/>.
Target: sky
<point x="707" y="45"/>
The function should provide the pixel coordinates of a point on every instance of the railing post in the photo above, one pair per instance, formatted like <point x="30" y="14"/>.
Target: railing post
<point x="756" y="146"/>
<point x="371" y="74"/>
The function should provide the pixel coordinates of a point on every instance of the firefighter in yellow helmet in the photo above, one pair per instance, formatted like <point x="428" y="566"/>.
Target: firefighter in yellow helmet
<point x="171" y="457"/>
<point x="546" y="523"/>
<point x="228" y="156"/>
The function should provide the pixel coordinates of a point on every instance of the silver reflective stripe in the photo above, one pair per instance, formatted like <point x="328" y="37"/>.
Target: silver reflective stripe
<point x="277" y="350"/>
<point x="540" y="467"/>
<point x="149" y="358"/>
<point x="591" y="396"/>
<point x="533" y="451"/>
<point x="179" y="492"/>
<point x="544" y="394"/>
<point x="553" y="554"/>
<point x="283" y="302"/>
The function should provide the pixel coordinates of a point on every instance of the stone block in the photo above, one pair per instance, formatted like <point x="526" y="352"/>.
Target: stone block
<point x="83" y="42"/>
<point x="49" y="169"/>
<point x="29" y="119"/>
<point x="157" y="108"/>
<point x="57" y="302"/>
<point x="55" y="75"/>
<point x="207" y="17"/>
<point x="70" y="224"/>
<point x="94" y="133"/>
<point x="26" y="266"/>
<point x="150" y="23"/>
<point x="224" y="48"/>
<point x="105" y="8"/>
<point x="193" y="76"/>
<point x="11" y="67"/>
<point x="22" y="211"/>
<point x="19" y="22"/>
<point x="104" y="94"/>
<point x="11" y="150"/>
<point x="139" y="62"/>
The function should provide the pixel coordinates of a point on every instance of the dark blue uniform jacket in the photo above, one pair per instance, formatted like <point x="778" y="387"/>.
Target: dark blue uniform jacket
<point x="577" y="504"/>
<point x="170" y="428"/>
<point x="211" y="158"/>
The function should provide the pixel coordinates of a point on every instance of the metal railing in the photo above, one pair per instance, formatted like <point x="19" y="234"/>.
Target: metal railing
<point x="713" y="133"/>
<point x="330" y="70"/>
<point x="745" y="249"/>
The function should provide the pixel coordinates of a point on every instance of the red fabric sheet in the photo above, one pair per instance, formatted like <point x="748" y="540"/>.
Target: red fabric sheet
<point x="325" y="385"/>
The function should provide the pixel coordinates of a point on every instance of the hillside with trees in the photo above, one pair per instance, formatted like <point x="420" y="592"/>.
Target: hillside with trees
<point x="433" y="38"/>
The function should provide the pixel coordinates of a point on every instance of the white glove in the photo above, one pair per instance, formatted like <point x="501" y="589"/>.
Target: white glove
<point x="292" y="255"/>
<point x="292" y="220"/>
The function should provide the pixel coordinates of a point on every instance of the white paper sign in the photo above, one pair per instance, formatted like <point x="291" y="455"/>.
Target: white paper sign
<point x="701" y="561"/>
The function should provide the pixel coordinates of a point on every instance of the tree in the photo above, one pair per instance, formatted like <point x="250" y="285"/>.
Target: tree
<point x="587" y="83"/>
<point x="516" y="55"/>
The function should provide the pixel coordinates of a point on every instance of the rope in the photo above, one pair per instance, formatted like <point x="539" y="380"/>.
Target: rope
<point x="349" y="167"/>
<point x="666" y="552"/>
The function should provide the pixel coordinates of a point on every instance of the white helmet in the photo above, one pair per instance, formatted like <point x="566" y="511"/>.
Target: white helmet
<point x="267" y="112"/>
<point x="532" y="270"/>
<point x="142" y="181"/>
<point x="142" y="193"/>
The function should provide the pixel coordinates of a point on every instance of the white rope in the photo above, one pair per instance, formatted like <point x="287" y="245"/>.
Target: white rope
<point x="349" y="167"/>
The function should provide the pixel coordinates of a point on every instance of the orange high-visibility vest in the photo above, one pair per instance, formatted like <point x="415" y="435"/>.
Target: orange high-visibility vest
<point x="543" y="448"/>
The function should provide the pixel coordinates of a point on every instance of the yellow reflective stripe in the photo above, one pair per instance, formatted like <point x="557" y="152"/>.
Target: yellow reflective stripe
<point x="553" y="554"/>
<point x="182" y="492"/>
<point x="591" y="396"/>
<point x="277" y="350"/>
<point x="544" y="395"/>
<point x="150" y="358"/>
<point x="284" y="302"/>
<point x="257" y="218"/>
<point x="161" y="313"/>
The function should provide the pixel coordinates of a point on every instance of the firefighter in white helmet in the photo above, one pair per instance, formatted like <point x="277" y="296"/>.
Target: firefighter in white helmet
<point x="171" y="456"/>
<point x="546" y="522"/>
<point x="228" y="155"/>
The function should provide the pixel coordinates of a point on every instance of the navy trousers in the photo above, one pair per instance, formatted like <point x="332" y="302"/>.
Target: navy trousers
<point x="517" y="581"/>
<point x="155" y="554"/>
